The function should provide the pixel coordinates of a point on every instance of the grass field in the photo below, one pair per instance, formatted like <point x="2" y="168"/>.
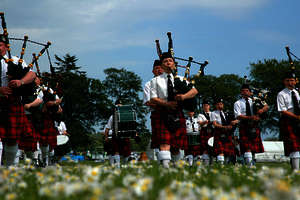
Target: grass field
<point x="149" y="181"/>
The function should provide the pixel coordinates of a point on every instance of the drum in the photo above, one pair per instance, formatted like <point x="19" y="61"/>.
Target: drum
<point x="210" y="141"/>
<point x="62" y="139"/>
<point x="193" y="138"/>
<point x="124" y="121"/>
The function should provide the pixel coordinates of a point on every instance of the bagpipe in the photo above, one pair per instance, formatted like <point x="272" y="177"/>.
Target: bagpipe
<point x="185" y="85"/>
<point x="259" y="98"/>
<point x="17" y="71"/>
<point x="292" y="64"/>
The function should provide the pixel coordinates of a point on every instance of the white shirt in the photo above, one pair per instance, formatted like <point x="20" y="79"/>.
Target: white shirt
<point x="190" y="123"/>
<point x="240" y="107"/>
<point x="4" y="78"/>
<point x="51" y="91"/>
<point x="159" y="86"/>
<point x="216" y="116"/>
<point x="39" y="93"/>
<point x="284" y="100"/>
<point x="109" y="126"/>
<point x="61" y="127"/>
<point x="147" y="91"/>
<point x="202" y="118"/>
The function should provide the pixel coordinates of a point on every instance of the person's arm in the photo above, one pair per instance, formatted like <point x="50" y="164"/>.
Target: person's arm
<point x="35" y="103"/>
<point x="160" y="102"/>
<point x="190" y="94"/>
<point x="28" y="78"/>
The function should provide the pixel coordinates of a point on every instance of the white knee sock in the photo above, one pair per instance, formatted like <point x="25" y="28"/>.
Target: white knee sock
<point x="190" y="159"/>
<point x="10" y="153"/>
<point x="1" y="150"/>
<point x="220" y="159"/>
<point x="111" y="160"/>
<point x="248" y="158"/>
<point x="117" y="160"/>
<point x="45" y="154"/>
<point x="176" y="157"/>
<point x="17" y="158"/>
<point x="165" y="157"/>
<point x="205" y="158"/>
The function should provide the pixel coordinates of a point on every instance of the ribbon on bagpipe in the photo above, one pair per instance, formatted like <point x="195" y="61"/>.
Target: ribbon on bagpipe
<point x="185" y="85"/>
<point x="17" y="71"/>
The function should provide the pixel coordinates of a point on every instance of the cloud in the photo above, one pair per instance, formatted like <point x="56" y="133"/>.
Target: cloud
<point x="271" y="36"/>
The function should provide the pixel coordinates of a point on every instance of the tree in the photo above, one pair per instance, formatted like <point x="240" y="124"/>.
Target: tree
<point x="85" y="102"/>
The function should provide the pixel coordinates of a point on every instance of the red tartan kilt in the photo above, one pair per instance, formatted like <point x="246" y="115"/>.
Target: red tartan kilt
<point x="108" y="147"/>
<point x="254" y="144"/>
<point x="226" y="147"/>
<point x="154" y="137"/>
<point x="291" y="141"/>
<point x="177" y="139"/>
<point x="121" y="145"/>
<point x="29" y="143"/>
<point x="194" y="150"/>
<point x="48" y="134"/>
<point x="204" y="137"/>
<point x="18" y="125"/>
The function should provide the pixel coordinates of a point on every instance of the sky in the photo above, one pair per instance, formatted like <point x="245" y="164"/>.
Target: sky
<point x="230" y="34"/>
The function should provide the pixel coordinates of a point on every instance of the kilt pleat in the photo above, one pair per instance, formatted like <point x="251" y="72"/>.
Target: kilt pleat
<point x="290" y="135"/>
<point x="204" y="137"/>
<point x="121" y="145"/>
<point x="254" y="143"/>
<point x="48" y="133"/>
<point x="223" y="145"/>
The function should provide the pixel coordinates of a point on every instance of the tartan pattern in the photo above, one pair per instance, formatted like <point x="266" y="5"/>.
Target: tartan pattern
<point x="291" y="140"/>
<point x="204" y="137"/>
<point x="48" y="134"/>
<point x="18" y="125"/>
<point x="121" y="145"/>
<point x="194" y="150"/>
<point x="223" y="146"/>
<point x="29" y="143"/>
<point x="154" y="137"/>
<point x="177" y="139"/>
<point x="254" y="144"/>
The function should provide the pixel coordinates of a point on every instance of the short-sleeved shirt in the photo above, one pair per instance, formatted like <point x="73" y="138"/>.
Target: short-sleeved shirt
<point x="4" y="78"/>
<point x="147" y="91"/>
<point x="202" y="118"/>
<point x="240" y="107"/>
<point x="284" y="100"/>
<point x="109" y="126"/>
<point x="159" y="86"/>
<point x="216" y="116"/>
<point x="61" y="127"/>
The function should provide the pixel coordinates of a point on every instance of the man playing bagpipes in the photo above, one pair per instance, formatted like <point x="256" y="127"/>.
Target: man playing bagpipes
<point x="170" y="122"/>
<point x="288" y="106"/>
<point x="224" y="126"/>
<point x="33" y="111"/>
<point x="206" y="132"/>
<point x="157" y="70"/>
<point x="14" y="123"/>
<point x="249" y="132"/>
<point x="193" y="131"/>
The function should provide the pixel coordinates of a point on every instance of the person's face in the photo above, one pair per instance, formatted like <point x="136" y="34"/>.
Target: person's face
<point x="245" y="92"/>
<point x="191" y="114"/>
<point x="219" y="106"/>
<point x="37" y="81"/>
<point x="206" y="107"/>
<point x="3" y="48"/>
<point x="168" y="64"/>
<point x="290" y="83"/>
<point x="157" y="70"/>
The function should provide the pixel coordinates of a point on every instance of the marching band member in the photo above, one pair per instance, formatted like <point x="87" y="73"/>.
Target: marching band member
<point x="120" y="146"/>
<point x="157" y="70"/>
<point x="15" y="123"/>
<point x="48" y="133"/>
<point x="249" y="132"/>
<point x="108" y="141"/>
<point x="288" y="106"/>
<point x="170" y="122"/>
<point x="192" y="126"/>
<point x="206" y="132"/>
<point x="223" y="144"/>
<point x="31" y="106"/>
<point x="60" y="150"/>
